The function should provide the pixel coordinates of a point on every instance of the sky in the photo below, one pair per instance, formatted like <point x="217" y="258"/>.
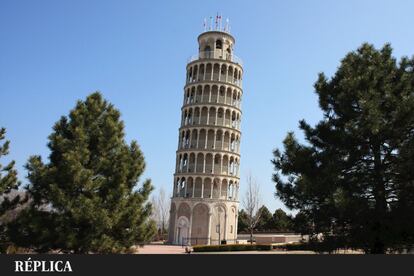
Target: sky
<point x="53" y="53"/>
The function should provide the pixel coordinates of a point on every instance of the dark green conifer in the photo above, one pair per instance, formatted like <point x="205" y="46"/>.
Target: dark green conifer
<point x="86" y="199"/>
<point x="9" y="185"/>
<point x="353" y="179"/>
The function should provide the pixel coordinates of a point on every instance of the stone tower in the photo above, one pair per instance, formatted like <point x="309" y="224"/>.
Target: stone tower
<point x="204" y="205"/>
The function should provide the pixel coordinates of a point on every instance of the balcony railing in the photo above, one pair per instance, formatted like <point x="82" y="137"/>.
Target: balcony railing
<point x="215" y="55"/>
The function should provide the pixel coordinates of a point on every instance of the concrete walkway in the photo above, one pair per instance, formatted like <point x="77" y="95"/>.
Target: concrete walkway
<point x="264" y="252"/>
<point x="161" y="249"/>
<point x="177" y="249"/>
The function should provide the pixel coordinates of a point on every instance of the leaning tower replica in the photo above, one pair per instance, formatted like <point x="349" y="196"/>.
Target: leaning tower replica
<point x="204" y="205"/>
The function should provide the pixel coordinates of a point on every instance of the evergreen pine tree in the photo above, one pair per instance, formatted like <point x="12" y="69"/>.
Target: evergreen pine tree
<point x="281" y="221"/>
<point x="265" y="220"/>
<point x="242" y="222"/>
<point x="354" y="178"/>
<point x="86" y="198"/>
<point x="8" y="184"/>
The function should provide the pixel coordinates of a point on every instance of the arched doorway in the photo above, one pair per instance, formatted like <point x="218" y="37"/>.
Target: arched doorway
<point x="199" y="227"/>
<point x="183" y="227"/>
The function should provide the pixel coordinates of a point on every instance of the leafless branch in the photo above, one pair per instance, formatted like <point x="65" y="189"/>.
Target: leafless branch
<point x="251" y="203"/>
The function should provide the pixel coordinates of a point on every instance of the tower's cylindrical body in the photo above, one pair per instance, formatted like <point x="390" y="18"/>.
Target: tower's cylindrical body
<point x="204" y="205"/>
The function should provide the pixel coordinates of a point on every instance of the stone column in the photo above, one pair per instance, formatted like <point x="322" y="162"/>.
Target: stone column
<point x="185" y="187"/>
<point x="209" y="228"/>
<point x="219" y="72"/>
<point x="225" y="227"/>
<point x="191" y="226"/>
<point x="220" y="189"/>
<point x="175" y="227"/>
<point x="206" y="143"/>
<point x="202" y="188"/>
<point x="195" y="163"/>
<point x="235" y="226"/>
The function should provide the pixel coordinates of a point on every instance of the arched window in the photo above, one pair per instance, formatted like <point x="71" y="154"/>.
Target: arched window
<point x="228" y="54"/>
<point x="207" y="51"/>
<point x="219" y="44"/>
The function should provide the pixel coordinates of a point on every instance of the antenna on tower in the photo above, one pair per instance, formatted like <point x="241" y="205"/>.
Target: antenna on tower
<point x="205" y="24"/>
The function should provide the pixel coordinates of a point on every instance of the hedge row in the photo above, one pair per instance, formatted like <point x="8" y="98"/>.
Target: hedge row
<point x="232" y="247"/>
<point x="312" y="246"/>
<point x="308" y="246"/>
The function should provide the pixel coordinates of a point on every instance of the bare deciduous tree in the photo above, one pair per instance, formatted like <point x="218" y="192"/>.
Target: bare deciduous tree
<point x="160" y="210"/>
<point x="251" y="204"/>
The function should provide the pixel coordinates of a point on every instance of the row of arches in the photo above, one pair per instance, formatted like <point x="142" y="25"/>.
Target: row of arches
<point x="209" y="139"/>
<point x="216" y="116"/>
<point x="218" y="44"/>
<point x="224" y="164"/>
<point x="202" y="223"/>
<point x="217" y="53"/>
<point x="214" y="72"/>
<point x="216" y="188"/>
<point x="213" y="94"/>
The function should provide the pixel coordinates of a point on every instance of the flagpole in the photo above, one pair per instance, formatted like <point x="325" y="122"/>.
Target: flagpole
<point x="220" y="24"/>
<point x="227" y="25"/>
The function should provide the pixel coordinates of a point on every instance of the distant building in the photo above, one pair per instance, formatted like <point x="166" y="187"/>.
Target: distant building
<point x="205" y="199"/>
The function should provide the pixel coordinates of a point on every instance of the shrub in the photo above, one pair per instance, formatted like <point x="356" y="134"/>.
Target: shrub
<point x="319" y="247"/>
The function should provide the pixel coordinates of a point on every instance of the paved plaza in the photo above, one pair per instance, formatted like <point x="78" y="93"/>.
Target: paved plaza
<point x="176" y="249"/>
<point x="161" y="249"/>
